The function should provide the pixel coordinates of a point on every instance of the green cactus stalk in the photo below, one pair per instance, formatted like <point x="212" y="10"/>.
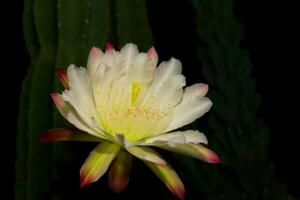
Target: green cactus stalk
<point x="59" y="33"/>
<point x="240" y="137"/>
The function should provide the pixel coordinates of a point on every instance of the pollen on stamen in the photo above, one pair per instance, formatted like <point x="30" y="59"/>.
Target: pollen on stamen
<point x="134" y="122"/>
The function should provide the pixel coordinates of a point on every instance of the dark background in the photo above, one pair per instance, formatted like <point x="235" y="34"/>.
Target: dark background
<point x="270" y="39"/>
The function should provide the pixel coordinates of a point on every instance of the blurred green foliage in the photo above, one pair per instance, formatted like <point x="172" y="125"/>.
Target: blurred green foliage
<point x="234" y="129"/>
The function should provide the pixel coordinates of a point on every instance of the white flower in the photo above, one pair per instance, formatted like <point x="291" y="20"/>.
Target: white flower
<point x="124" y="101"/>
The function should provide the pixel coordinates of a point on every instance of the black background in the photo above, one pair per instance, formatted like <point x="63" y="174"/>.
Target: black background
<point x="270" y="38"/>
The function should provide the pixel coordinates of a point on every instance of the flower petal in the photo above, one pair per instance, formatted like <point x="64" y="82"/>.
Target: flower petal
<point x="67" y="134"/>
<point x="119" y="172"/>
<point x="137" y="66"/>
<point x="80" y="97"/>
<point x="98" y="162"/>
<point x="164" y="93"/>
<point x="178" y="137"/>
<point x="108" y="47"/>
<point x="61" y="105"/>
<point x="194" y="150"/>
<point x="164" y="72"/>
<point x="141" y="70"/>
<point x="192" y="106"/>
<point x="168" y="95"/>
<point x="147" y="154"/>
<point x="80" y="94"/>
<point x="94" y="60"/>
<point x="169" y="177"/>
<point x="69" y="113"/>
<point x="129" y="52"/>
<point x="62" y="76"/>
<point x="152" y="54"/>
<point x="203" y="88"/>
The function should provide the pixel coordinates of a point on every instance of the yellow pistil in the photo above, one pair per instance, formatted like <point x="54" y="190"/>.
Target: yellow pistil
<point x="135" y="91"/>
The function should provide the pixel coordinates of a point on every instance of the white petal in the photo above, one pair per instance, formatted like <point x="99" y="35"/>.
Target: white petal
<point x="165" y="71"/>
<point x="178" y="137"/>
<point x="94" y="60"/>
<point x="141" y="69"/>
<point x="80" y="94"/>
<point x="203" y="89"/>
<point x="171" y="92"/>
<point x="68" y="112"/>
<point x="80" y="124"/>
<point x="166" y="90"/>
<point x="129" y="52"/>
<point x="192" y="106"/>
<point x="112" y="59"/>
<point x="198" y="89"/>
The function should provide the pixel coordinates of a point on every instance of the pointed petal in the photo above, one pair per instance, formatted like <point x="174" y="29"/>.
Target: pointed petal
<point x="169" y="177"/>
<point x="194" y="150"/>
<point x="80" y="94"/>
<point x="61" y="105"/>
<point x="203" y="89"/>
<point x="129" y="52"/>
<point x="62" y="75"/>
<point x="147" y="154"/>
<point x="108" y="47"/>
<point x="192" y="106"/>
<point x="94" y="60"/>
<point x="77" y="104"/>
<point x="164" y="72"/>
<point x="97" y="162"/>
<point x="152" y="54"/>
<point x="69" y="113"/>
<point x="177" y="137"/>
<point x="67" y="134"/>
<point x="119" y="172"/>
<point x="196" y="90"/>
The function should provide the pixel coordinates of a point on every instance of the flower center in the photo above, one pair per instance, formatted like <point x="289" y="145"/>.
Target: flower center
<point x="134" y="123"/>
<point x="130" y="116"/>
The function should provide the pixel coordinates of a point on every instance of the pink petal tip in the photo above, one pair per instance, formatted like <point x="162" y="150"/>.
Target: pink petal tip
<point x="95" y="51"/>
<point x="213" y="158"/>
<point x="56" y="98"/>
<point x="152" y="52"/>
<point x="108" y="47"/>
<point x="61" y="72"/>
<point x="203" y="89"/>
<point x="180" y="193"/>
<point x="55" y="135"/>
<point x="62" y="75"/>
<point x="84" y="182"/>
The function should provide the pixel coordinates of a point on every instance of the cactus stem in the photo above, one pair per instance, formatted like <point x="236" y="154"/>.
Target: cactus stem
<point x="113" y="29"/>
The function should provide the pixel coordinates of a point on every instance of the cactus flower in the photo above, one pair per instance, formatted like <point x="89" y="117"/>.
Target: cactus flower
<point x="127" y="104"/>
